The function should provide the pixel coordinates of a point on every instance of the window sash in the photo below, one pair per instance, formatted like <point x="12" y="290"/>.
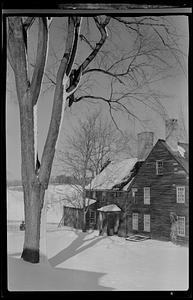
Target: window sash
<point x="181" y="226"/>
<point x="146" y="220"/>
<point x="92" y="216"/>
<point x="159" y="167"/>
<point x="135" y="221"/>
<point x="146" y="191"/>
<point x="180" y="194"/>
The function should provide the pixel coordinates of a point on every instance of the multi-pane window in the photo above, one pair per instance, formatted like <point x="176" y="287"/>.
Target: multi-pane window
<point x="180" y="194"/>
<point x="135" y="221"/>
<point x="92" y="217"/>
<point x="146" y="223"/>
<point x="181" y="226"/>
<point x="159" y="167"/>
<point x="146" y="191"/>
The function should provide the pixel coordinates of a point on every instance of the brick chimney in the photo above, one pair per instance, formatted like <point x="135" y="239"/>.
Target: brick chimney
<point x="145" y="144"/>
<point x="171" y="133"/>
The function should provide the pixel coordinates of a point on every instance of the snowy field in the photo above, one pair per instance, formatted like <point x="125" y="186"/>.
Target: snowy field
<point x="85" y="261"/>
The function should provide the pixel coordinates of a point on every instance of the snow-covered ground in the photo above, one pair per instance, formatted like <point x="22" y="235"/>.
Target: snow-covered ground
<point x="56" y="197"/>
<point x="85" y="261"/>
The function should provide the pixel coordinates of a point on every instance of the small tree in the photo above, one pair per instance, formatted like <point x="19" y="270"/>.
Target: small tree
<point x="91" y="144"/>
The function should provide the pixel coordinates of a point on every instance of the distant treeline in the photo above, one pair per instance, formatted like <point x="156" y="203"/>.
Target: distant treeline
<point x="60" y="179"/>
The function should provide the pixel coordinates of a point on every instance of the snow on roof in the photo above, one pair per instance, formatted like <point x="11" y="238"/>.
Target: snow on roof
<point x="127" y="186"/>
<point x="113" y="174"/>
<point x="178" y="156"/>
<point x="109" y="208"/>
<point x="181" y="150"/>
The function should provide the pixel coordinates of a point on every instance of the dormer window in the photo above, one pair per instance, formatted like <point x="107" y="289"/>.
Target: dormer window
<point x="159" y="167"/>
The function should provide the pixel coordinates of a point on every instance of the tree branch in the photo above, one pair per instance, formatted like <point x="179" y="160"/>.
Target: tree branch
<point x="17" y="54"/>
<point x="60" y="97"/>
<point x="40" y="59"/>
<point x="77" y="23"/>
<point x="104" y="72"/>
<point x="102" y="29"/>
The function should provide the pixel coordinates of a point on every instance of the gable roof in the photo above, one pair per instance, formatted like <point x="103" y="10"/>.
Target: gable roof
<point x="109" y="208"/>
<point x="115" y="173"/>
<point x="177" y="155"/>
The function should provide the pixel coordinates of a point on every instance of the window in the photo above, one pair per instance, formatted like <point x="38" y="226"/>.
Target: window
<point x="135" y="221"/>
<point x="94" y="195"/>
<point x="159" y="167"/>
<point x="181" y="226"/>
<point x="103" y="194"/>
<point x="92" y="217"/>
<point x="146" y="223"/>
<point x="180" y="194"/>
<point x="134" y="190"/>
<point x="146" y="195"/>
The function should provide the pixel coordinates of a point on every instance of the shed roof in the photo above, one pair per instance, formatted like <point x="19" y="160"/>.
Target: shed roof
<point x="109" y="208"/>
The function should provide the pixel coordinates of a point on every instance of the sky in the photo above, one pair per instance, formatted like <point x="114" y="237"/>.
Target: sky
<point x="176" y="89"/>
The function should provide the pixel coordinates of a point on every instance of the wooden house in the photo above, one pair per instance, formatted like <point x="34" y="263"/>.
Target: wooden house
<point x="152" y="192"/>
<point x="107" y="187"/>
<point x="159" y="193"/>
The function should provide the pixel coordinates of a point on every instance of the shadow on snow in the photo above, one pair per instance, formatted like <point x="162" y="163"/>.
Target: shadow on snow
<point x="74" y="248"/>
<point x="24" y="276"/>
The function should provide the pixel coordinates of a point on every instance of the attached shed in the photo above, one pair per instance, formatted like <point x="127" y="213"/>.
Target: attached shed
<point x="73" y="214"/>
<point x="107" y="189"/>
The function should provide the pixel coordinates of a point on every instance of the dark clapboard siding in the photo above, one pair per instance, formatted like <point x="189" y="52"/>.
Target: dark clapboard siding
<point x="162" y="194"/>
<point x="73" y="216"/>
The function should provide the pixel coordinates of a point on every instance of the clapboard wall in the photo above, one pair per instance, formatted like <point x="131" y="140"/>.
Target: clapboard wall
<point x="163" y="199"/>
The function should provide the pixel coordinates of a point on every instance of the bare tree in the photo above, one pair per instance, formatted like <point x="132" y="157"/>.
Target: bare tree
<point x="90" y="146"/>
<point x="151" y="51"/>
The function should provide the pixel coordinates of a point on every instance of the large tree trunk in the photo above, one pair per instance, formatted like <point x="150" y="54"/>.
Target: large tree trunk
<point x="33" y="190"/>
<point x="33" y="199"/>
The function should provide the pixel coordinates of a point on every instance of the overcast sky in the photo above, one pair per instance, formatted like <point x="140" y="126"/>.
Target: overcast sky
<point x="176" y="88"/>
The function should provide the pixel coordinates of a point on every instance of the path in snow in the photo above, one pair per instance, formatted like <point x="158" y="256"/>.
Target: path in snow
<point x="85" y="261"/>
